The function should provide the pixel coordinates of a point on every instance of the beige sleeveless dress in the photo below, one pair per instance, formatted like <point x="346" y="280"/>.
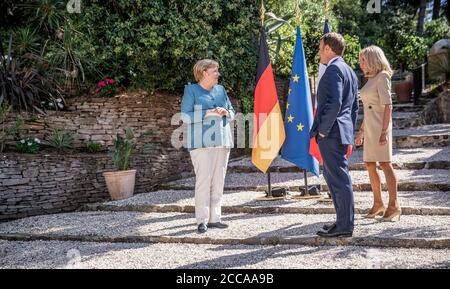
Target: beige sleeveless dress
<point x="375" y="94"/>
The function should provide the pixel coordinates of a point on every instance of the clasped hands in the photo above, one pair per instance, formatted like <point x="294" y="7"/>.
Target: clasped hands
<point x="217" y="112"/>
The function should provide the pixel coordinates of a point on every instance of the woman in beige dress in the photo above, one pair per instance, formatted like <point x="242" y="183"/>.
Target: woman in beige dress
<point x="375" y="132"/>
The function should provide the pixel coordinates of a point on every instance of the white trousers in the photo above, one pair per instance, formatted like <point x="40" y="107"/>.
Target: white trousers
<point x="210" y="166"/>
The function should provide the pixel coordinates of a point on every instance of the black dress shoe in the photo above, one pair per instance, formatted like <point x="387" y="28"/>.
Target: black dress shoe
<point x="202" y="228"/>
<point x="334" y="234"/>
<point x="329" y="227"/>
<point x="218" y="225"/>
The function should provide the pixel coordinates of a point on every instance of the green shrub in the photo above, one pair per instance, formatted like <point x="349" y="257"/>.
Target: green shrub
<point x="436" y="30"/>
<point x="154" y="44"/>
<point x="92" y="147"/>
<point x="413" y="52"/>
<point x="60" y="140"/>
<point x="352" y="49"/>
<point x="8" y="131"/>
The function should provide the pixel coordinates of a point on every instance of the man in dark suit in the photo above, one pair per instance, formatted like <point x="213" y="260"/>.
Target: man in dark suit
<point x="334" y="123"/>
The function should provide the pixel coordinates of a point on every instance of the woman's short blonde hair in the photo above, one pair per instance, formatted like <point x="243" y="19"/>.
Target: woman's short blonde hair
<point x="376" y="61"/>
<point x="203" y="65"/>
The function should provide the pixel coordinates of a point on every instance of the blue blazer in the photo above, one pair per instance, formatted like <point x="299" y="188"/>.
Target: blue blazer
<point x="337" y="103"/>
<point x="204" y="131"/>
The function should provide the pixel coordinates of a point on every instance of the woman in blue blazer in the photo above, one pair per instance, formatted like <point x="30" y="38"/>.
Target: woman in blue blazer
<point x="207" y="111"/>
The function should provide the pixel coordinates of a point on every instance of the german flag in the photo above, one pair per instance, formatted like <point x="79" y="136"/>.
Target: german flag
<point x="268" y="127"/>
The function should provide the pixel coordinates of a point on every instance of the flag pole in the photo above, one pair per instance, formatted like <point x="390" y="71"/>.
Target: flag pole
<point x="314" y="189"/>
<point x="297" y="18"/>
<point x="269" y="185"/>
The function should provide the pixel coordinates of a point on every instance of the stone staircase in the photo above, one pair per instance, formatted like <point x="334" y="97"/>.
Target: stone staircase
<point x="157" y="229"/>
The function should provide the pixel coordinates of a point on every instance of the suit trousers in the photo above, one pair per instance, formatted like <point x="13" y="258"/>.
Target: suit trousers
<point x="210" y="166"/>
<point x="336" y="174"/>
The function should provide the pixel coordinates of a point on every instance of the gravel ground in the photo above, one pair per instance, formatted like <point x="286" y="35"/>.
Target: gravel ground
<point x="399" y="156"/>
<point x="250" y="180"/>
<point x="247" y="198"/>
<point x="242" y="226"/>
<point x="51" y="254"/>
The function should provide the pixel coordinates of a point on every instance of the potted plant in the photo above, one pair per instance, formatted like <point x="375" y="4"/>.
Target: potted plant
<point x="403" y="89"/>
<point x="411" y="54"/>
<point x="121" y="183"/>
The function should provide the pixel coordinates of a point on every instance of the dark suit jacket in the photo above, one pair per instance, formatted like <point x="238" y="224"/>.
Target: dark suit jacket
<point x="337" y="103"/>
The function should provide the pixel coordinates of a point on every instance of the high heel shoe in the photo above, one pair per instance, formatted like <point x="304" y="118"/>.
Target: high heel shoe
<point x="379" y="212"/>
<point x="394" y="217"/>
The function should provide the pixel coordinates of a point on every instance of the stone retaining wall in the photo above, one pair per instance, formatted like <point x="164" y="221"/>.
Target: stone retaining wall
<point x="437" y="111"/>
<point x="50" y="182"/>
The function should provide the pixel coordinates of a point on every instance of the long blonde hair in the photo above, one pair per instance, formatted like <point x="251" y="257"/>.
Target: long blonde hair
<point x="376" y="61"/>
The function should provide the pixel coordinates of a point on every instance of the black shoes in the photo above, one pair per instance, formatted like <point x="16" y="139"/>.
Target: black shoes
<point x="202" y="228"/>
<point x="218" y="225"/>
<point x="329" y="227"/>
<point x="332" y="233"/>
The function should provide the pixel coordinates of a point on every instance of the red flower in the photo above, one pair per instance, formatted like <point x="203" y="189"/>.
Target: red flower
<point x="110" y="81"/>
<point x="97" y="89"/>
<point x="101" y="83"/>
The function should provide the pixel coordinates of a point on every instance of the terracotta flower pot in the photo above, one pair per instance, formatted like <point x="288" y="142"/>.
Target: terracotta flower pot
<point x="120" y="184"/>
<point x="403" y="90"/>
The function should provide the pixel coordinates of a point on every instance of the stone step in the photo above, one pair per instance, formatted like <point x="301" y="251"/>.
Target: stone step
<point x="401" y="107"/>
<point x="413" y="203"/>
<point x="408" y="180"/>
<point x="399" y="119"/>
<point x="248" y="229"/>
<point x="437" y="135"/>
<point x="417" y="158"/>
<point x="54" y="255"/>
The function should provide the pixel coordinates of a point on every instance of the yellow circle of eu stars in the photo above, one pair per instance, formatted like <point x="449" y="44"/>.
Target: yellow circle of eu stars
<point x="296" y="78"/>
<point x="300" y="127"/>
<point x="290" y="118"/>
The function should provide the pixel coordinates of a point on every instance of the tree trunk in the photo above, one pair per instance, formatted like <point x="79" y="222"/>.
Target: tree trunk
<point x="436" y="9"/>
<point x="422" y="11"/>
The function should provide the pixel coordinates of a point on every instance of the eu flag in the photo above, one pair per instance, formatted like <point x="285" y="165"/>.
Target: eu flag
<point x="299" y="114"/>
<point x="326" y="28"/>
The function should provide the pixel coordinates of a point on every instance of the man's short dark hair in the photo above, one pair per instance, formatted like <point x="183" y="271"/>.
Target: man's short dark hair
<point x="335" y="41"/>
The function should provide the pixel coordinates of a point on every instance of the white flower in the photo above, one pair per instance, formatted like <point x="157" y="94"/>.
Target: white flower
<point x="22" y="141"/>
<point x="60" y="105"/>
<point x="51" y="104"/>
<point x="58" y="100"/>
<point x="37" y="140"/>
<point x="30" y="144"/>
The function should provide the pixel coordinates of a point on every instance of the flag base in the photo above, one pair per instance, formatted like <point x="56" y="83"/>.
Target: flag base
<point x="313" y="193"/>
<point x="267" y="198"/>
<point x="276" y="195"/>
